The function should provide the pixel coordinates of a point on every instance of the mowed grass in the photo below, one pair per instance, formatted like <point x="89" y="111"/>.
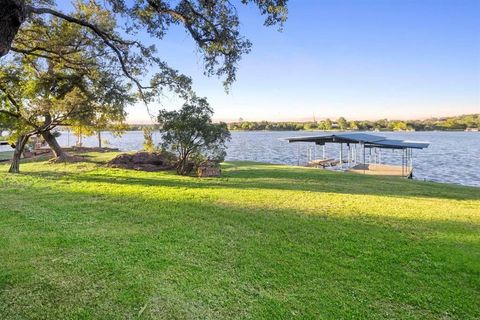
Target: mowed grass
<point x="83" y="241"/>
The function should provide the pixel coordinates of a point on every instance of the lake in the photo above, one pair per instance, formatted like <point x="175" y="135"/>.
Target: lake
<point x="452" y="157"/>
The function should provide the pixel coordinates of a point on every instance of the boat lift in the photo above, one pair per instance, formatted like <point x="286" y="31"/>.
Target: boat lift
<point x="356" y="154"/>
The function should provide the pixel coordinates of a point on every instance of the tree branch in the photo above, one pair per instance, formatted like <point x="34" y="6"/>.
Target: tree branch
<point x="107" y="39"/>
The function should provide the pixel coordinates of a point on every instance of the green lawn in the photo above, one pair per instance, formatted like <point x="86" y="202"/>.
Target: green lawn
<point x="83" y="241"/>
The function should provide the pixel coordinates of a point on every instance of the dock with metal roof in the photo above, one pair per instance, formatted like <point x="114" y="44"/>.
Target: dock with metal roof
<point x="356" y="141"/>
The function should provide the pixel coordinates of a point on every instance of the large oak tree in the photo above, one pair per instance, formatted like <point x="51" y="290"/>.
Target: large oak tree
<point x="63" y="85"/>
<point x="212" y="24"/>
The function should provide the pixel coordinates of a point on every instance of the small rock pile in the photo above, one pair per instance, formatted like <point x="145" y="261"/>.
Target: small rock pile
<point x="209" y="168"/>
<point x="144" y="161"/>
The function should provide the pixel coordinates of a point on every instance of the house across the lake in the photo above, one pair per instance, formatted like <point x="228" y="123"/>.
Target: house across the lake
<point x="354" y="148"/>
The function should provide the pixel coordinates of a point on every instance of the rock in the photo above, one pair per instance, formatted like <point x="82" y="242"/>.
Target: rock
<point x="144" y="161"/>
<point x="209" y="169"/>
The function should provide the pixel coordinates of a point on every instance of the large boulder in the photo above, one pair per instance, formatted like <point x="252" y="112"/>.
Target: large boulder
<point x="144" y="161"/>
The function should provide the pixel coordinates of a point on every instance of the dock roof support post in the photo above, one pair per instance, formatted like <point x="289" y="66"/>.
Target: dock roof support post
<point x="411" y="158"/>
<point x="364" y="163"/>
<point x="341" y="155"/>
<point x="349" y="154"/>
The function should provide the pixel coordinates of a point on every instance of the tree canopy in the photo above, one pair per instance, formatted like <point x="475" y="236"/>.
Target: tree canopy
<point x="213" y="26"/>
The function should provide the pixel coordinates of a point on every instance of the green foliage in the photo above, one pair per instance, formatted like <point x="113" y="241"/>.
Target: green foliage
<point x="148" y="144"/>
<point x="449" y="123"/>
<point x="71" y="83"/>
<point x="214" y="27"/>
<point x="191" y="135"/>
<point x="342" y="123"/>
<point x="353" y="125"/>
<point x="261" y="242"/>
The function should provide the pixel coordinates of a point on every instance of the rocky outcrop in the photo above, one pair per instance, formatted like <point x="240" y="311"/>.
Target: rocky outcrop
<point x="144" y="161"/>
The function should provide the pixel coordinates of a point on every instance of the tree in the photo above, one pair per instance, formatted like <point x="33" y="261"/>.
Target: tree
<point x="148" y="144"/>
<point x="109" y="31"/>
<point x="353" y="125"/>
<point x="213" y="25"/>
<point x="190" y="134"/>
<point x="310" y="126"/>
<point x="342" y="123"/>
<point x="110" y="119"/>
<point x="62" y="86"/>
<point x="327" y="124"/>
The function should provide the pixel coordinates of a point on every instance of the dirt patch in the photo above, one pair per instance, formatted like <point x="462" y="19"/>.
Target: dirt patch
<point x="91" y="149"/>
<point x="69" y="159"/>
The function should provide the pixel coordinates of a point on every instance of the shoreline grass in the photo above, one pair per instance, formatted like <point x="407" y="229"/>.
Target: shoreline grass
<point x="263" y="241"/>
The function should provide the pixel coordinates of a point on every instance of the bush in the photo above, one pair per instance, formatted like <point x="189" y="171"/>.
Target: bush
<point x="191" y="135"/>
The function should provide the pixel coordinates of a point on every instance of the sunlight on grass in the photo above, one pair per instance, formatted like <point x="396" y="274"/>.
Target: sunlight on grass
<point x="262" y="241"/>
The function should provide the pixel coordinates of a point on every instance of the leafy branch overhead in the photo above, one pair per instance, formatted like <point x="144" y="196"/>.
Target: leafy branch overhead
<point x="213" y="25"/>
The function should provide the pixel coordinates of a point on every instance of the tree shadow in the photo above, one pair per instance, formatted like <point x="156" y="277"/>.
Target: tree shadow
<point x="256" y="259"/>
<point x="276" y="177"/>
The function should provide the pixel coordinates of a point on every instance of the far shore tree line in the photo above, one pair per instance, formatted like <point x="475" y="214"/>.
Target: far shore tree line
<point x="458" y="123"/>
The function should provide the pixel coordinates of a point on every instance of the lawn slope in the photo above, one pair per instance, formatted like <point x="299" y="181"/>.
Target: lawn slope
<point x="262" y="242"/>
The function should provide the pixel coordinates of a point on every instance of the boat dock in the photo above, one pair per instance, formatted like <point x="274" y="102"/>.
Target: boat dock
<point x="354" y="160"/>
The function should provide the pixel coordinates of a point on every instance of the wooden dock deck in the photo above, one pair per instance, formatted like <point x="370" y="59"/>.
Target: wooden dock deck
<point x="322" y="163"/>
<point x="382" y="170"/>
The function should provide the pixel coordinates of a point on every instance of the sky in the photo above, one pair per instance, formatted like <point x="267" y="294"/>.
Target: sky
<point x="361" y="59"/>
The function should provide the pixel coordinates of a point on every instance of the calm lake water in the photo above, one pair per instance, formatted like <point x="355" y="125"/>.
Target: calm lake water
<point x="452" y="157"/>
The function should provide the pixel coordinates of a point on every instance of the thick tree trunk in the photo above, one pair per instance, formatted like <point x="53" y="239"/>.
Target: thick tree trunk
<point x="12" y="14"/>
<point x="53" y="144"/>
<point x="17" y="154"/>
<point x="99" y="133"/>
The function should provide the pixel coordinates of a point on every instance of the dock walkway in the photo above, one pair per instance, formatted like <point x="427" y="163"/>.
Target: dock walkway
<point x="382" y="170"/>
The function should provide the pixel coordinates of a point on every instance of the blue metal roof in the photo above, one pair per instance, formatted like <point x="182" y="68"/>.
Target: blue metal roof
<point x="360" y="137"/>
<point x="369" y="140"/>
<point x="402" y="144"/>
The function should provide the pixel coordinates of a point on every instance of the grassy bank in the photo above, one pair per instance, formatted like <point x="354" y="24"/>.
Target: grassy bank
<point x="85" y="241"/>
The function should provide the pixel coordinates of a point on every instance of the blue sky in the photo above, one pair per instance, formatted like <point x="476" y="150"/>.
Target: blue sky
<point x="362" y="59"/>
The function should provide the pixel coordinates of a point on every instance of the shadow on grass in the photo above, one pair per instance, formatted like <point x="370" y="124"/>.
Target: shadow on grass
<point x="224" y="261"/>
<point x="245" y="175"/>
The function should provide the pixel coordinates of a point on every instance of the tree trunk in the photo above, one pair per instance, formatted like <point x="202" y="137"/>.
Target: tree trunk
<point x="19" y="146"/>
<point x="12" y="14"/>
<point x="184" y="167"/>
<point x="99" y="133"/>
<point x="53" y="144"/>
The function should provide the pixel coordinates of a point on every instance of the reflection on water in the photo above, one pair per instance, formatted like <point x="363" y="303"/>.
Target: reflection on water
<point x="452" y="157"/>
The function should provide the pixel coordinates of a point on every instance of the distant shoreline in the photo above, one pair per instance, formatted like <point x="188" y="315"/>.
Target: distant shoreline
<point x="318" y="130"/>
<point x="468" y="122"/>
